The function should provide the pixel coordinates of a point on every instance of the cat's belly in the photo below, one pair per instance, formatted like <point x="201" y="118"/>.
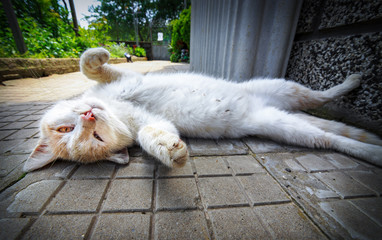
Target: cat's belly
<point x="199" y="113"/>
<point x="197" y="107"/>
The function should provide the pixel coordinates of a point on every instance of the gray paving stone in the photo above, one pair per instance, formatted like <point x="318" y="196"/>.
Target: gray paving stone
<point x="6" y="113"/>
<point x="38" y="107"/>
<point x="208" y="147"/>
<point x="78" y="196"/>
<point x="142" y="159"/>
<point x="263" y="189"/>
<point x="57" y="170"/>
<point x="368" y="178"/>
<point x="207" y="166"/>
<point x="26" y="147"/>
<point x="293" y="165"/>
<point x="6" y="133"/>
<point x="176" y="193"/>
<point x="314" y="163"/>
<point x="32" y="198"/>
<point x="34" y="124"/>
<point x="59" y="227"/>
<point x="286" y="221"/>
<point x="9" y="163"/>
<point x="341" y="161"/>
<point x="122" y="226"/>
<point x="12" y="118"/>
<point x="357" y="224"/>
<point x="258" y="145"/>
<point x="237" y="223"/>
<point x="299" y="180"/>
<point x="7" y="146"/>
<point x="11" y="227"/>
<point x="136" y="170"/>
<point x="244" y="164"/>
<point x="185" y="171"/>
<point x="180" y="225"/>
<point x="18" y="108"/>
<point x="24" y="113"/>
<point x="344" y="185"/>
<point x="32" y="117"/>
<point x="95" y="170"/>
<point x="22" y="134"/>
<point x="221" y="191"/>
<point x="372" y="207"/>
<point x="129" y="195"/>
<point x="16" y="125"/>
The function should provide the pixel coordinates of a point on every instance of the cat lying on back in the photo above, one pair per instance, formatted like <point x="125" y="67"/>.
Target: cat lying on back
<point x="155" y="109"/>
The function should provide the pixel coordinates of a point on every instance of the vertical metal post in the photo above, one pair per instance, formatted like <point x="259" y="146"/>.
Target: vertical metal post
<point x="136" y="29"/>
<point x="14" y="25"/>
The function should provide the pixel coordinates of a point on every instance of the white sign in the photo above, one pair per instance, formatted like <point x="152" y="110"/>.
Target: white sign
<point x="160" y="36"/>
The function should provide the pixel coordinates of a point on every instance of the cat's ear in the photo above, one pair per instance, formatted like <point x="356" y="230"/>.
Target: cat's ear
<point x="41" y="156"/>
<point x="120" y="157"/>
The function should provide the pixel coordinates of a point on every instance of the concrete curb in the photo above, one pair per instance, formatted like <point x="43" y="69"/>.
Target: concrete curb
<point x="15" y="68"/>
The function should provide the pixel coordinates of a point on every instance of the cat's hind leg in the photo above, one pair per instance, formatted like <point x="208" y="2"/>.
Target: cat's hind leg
<point x="93" y="64"/>
<point x="342" y="129"/>
<point x="282" y="126"/>
<point x="290" y="95"/>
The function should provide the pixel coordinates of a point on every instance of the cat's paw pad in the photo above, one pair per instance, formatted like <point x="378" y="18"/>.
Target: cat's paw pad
<point x="94" y="58"/>
<point x="353" y="80"/>
<point x="178" y="154"/>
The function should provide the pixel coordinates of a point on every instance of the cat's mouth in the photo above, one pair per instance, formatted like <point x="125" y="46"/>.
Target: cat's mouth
<point x="89" y="116"/>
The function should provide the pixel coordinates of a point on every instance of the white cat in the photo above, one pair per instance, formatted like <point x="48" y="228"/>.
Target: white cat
<point x="155" y="109"/>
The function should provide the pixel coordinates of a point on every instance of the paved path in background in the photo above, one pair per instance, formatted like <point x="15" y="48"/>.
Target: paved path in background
<point x="246" y="188"/>
<point x="63" y="86"/>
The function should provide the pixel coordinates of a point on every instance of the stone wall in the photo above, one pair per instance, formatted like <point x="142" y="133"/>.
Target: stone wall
<point x="13" y="68"/>
<point x="335" y="39"/>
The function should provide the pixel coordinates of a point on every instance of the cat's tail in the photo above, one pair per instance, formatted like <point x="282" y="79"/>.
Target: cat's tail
<point x="342" y="129"/>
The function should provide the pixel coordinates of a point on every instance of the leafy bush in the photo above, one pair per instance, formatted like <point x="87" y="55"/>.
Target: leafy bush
<point x="140" y="52"/>
<point x="50" y="34"/>
<point x="180" y="37"/>
<point x="174" y="57"/>
<point x="117" y="50"/>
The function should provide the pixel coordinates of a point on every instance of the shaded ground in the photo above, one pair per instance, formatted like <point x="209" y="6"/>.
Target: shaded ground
<point x="246" y="188"/>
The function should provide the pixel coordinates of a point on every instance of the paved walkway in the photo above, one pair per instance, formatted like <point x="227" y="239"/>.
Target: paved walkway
<point x="230" y="189"/>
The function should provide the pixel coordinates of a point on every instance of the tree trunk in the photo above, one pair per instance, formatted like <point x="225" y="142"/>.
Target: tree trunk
<point x="14" y="25"/>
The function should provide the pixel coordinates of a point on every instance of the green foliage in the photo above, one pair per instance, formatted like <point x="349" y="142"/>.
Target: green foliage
<point x="48" y="32"/>
<point x="117" y="50"/>
<point x="140" y="52"/>
<point x="47" y="27"/>
<point x="175" y="57"/>
<point x="180" y="38"/>
<point x="151" y="16"/>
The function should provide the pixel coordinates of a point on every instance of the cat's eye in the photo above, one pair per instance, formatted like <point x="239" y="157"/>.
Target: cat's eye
<point x="65" y="129"/>
<point x="97" y="137"/>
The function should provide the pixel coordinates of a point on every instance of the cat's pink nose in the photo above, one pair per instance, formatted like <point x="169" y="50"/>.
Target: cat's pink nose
<point x="89" y="116"/>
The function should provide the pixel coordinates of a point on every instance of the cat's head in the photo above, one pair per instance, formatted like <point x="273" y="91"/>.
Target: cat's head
<point x="80" y="130"/>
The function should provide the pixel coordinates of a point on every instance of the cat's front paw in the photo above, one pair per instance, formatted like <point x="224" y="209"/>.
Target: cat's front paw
<point x="94" y="58"/>
<point x="178" y="154"/>
<point x="165" y="146"/>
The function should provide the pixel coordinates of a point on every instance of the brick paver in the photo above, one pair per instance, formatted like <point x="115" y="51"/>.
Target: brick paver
<point x="247" y="188"/>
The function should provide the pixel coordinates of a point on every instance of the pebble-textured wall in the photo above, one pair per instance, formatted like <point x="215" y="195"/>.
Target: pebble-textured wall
<point x="335" y="39"/>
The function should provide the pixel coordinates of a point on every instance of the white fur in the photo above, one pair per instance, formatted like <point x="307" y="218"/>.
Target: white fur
<point x="154" y="109"/>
